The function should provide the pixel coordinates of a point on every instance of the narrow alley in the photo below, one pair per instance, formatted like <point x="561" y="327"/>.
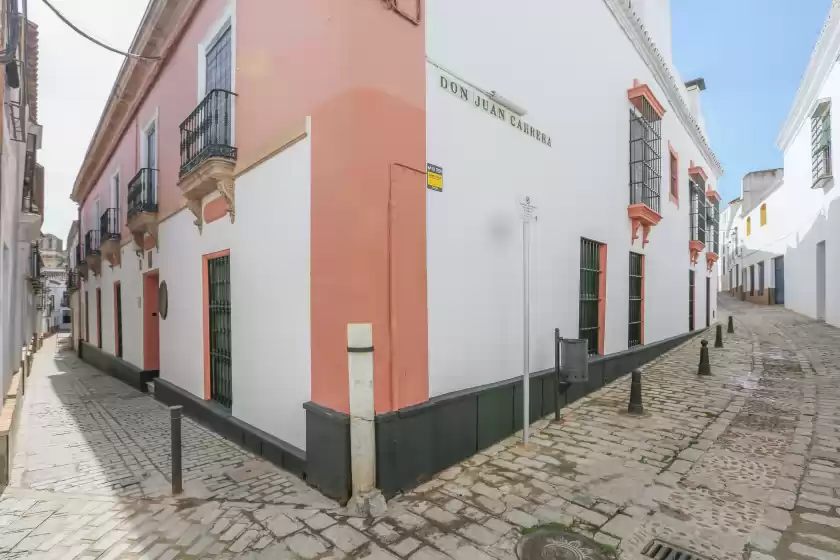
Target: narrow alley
<point x="742" y="464"/>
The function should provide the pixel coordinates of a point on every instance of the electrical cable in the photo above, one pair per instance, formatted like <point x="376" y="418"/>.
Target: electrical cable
<point x="94" y="40"/>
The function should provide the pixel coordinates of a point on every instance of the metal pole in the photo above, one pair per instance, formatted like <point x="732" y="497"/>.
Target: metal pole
<point x="704" y="368"/>
<point x="557" y="380"/>
<point x="730" y="327"/>
<point x="719" y="336"/>
<point x="175" y="431"/>
<point x="526" y="365"/>
<point x="635" y="406"/>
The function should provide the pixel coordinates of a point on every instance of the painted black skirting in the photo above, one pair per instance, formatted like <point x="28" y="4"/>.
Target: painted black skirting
<point x="328" y="450"/>
<point x="414" y="443"/>
<point x="117" y="367"/>
<point x="220" y="420"/>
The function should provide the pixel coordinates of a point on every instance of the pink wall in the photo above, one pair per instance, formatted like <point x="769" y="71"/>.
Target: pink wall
<point x="173" y="96"/>
<point x="358" y="69"/>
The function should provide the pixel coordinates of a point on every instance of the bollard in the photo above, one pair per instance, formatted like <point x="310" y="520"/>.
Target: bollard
<point x="704" y="367"/>
<point x="22" y="378"/>
<point x="635" y="406"/>
<point x="730" y="328"/>
<point x="719" y="337"/>
<point x="175" y="431"/>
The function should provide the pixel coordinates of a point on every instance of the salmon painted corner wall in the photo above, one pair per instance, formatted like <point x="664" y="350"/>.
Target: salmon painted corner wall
<point x="357" y="68"/>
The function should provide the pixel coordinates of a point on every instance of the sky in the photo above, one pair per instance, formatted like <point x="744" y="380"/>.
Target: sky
<point x="752" y="54"/>
<point x="75" y="78"/>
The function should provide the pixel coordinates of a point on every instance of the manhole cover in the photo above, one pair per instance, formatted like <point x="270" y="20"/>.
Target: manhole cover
<point x="553" y="544"/>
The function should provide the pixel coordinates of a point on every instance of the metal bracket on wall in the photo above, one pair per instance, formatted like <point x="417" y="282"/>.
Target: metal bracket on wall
<point x="395" y="6"/>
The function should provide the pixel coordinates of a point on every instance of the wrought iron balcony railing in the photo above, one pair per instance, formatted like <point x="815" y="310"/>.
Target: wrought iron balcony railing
<point x="79" y="257"/>
<point x="142" y="192"/>
<point x="92" y="242"/>
<point x="34" y="262"/>
<point x="72" y="280"/>
<point x="109" y="225"/>
<point x="206" y="132"/>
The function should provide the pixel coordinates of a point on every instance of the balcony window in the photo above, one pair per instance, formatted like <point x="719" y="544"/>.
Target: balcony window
<point x="821" y="144"/>
<point x="142" y="192"/>
<point x="713" y="211"/>
<point x="109" y="225"/>
<point x="206" y="132"/>
<point x="645" y="154"/>
<point x="697" y="221"/>
<point x="92" y="242"/>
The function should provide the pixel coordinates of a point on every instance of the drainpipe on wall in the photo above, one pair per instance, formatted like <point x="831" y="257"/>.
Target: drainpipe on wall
<point x="366" y="499"/>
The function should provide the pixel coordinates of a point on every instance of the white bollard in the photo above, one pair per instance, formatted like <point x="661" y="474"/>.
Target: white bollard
<point x="366" y="499"/>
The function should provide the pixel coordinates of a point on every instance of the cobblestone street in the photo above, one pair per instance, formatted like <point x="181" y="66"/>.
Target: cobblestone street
<point x="742" y="464"/>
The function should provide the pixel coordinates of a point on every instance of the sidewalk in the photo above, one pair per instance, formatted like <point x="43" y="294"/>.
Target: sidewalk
<point x="742" y="464"/>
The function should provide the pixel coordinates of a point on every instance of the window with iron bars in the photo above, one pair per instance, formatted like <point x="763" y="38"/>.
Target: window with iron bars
<point x="761" y="278"/>
<point x="590" y="293"/>
<point x="821" y="144"/>
<point x="713" y="216"/>
<point x="645" y="156"/>
<point x="697" y="223"/>
<point x="634" y="331"/>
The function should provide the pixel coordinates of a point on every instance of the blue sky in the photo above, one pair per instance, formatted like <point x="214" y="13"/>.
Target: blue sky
<point x="752" y="54"/>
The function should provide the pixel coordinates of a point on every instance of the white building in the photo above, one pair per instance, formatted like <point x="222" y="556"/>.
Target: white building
<point x="74" y="262"/>
<point x="21" y="195"/>
<point x="754" y="230"/>
<point x="788" y="220"/>
<point x="230" y="239"/>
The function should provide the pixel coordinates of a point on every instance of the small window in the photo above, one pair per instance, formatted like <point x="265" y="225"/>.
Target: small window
<point x="591" y="298"/>
<point x="749" y="227"/>
<point x="764" y="214"/>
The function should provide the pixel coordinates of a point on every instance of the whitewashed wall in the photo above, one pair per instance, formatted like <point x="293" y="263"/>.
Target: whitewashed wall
<point x="580" y="185"/>
<point x="270" y="291"/>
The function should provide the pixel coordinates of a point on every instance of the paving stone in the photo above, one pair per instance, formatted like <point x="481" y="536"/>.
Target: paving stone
<point x="811" y="552"/>
<point x="405" y="546"/>
<point x="621" y="526"/>
<point x="821" y="519"/>
<point x="782" y="499"/>
<point x="606" y="540"/>
<point x="518" y="517"/>
<point x="680" y="466"/>
<point x="305" y="545"/>
<point x="320" y="521"/>
<point x="345" y="537"/>
<point x="776" y="518"/>
<point x="440" y="516"/>
<point x="479" y="534"/>
<point x="428" y="553"/>
<point x="764" y="538"/>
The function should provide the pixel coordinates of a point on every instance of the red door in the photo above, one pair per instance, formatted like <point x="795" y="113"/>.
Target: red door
<point x="151" y="324"/>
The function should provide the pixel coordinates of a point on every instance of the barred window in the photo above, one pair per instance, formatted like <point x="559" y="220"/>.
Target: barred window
<point x="821" y="144"/>
<point x="589" y="325"/>
<point x="637" y="274"/>
<point x="645" y="155"/>
<point x="697" y="222"/>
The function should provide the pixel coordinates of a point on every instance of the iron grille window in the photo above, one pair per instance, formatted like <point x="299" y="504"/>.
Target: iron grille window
<point x="142" y="194"/>
<point x="218" y="280"/>
<point x="590" y="293"/>
<point x="691" y="300"/>
<point x="697" y="223"/>
<point x="761" y="278"/>
<point x="109" y="224"/>
<point x="752" y="280"/>
<point x="821" y="143"/>
<point x="712" y="225"/>
<point x="645" y="156"/>
<point x="634" y="337"/>
<point x="92" y="242"/>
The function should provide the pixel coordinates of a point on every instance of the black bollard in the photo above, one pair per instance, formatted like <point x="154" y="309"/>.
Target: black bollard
<point x="730" y="328"/>
<point x="635" y="406"/>
<point x="719" y="337"/>
<point x="175" y="431"/>
<point x="705" y="368"/>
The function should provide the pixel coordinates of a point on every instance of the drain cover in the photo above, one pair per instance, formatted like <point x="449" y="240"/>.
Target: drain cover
<point x="664" y="551"/>
<point x="553" y="544"/>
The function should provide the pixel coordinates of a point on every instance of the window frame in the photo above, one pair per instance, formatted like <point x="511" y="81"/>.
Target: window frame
<point x="749" y="226"/>
<point x="226" y="21"/>
<point x="763" y="215"/>
<point x="821" y="153"/>
<point x="674" y="177"/>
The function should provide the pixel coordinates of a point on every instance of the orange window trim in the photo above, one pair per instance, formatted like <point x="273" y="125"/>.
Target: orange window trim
<point x="205" y="292"/>
<point x="674" y="191"/>
<point x="116" y="319"/>
<point x="642" y="334"/>
<point x="602" y="304"/>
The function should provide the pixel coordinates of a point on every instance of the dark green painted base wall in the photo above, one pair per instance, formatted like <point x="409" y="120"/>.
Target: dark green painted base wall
<point x="117" y="367"/>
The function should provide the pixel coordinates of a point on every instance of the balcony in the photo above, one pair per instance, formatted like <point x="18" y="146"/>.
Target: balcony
<point x="32" y="203"/>
<point x="142" y="206"/>
<point x="208" y="156"/>
<point x="109" y="236"/>
<point x="35" y="264"/>
<point x="81" y="264"/>
<point x="713" y="209"/>
<point x="72" y="281"/>
<point x="92" y="255"/>
<point x="645" y="160"/>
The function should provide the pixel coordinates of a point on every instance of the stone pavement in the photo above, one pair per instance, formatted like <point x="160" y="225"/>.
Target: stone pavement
<point x="742" y="464"/>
